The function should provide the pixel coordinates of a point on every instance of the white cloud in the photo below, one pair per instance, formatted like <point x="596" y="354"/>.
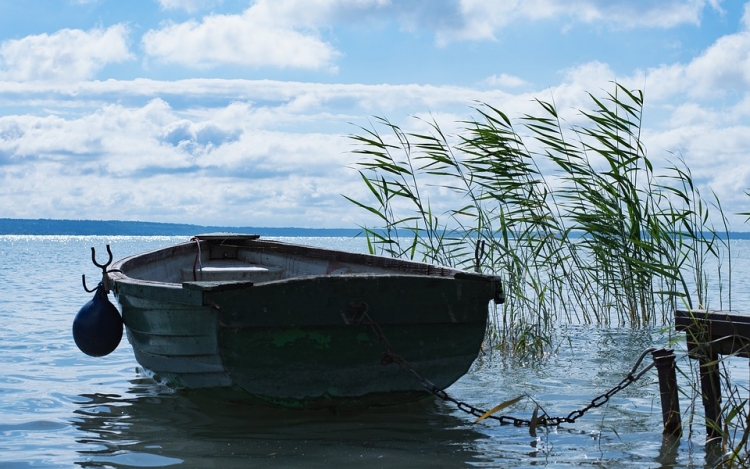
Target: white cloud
<point x="240" y="164"/>
<point x="67" y="55"/>
<point x="481" y="19"/>
<point x="283" y="100"/>
<point x="573" y="92"/>
<point x="190" y="6"/>
<point x="264" y="35"/>
<point x="210" y="165"/>
<point x="724" y="66"/>
<point x="504" y="81"/>
<point x="317" y="13"/>
<point x="721" y="70"/>
<point x="286" y="33"/>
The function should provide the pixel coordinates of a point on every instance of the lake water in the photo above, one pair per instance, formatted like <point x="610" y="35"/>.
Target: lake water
<point x="60" y="408"/>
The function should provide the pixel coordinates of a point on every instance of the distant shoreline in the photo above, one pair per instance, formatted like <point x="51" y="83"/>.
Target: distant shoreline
<point x="22" y="226"/>
<point x="44" y="226"/>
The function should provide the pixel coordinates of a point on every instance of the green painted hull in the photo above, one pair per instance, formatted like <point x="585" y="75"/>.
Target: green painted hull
<point x="303" y="341"/>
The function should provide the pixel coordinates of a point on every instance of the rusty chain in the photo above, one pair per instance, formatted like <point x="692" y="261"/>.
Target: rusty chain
<point x="363" y="318"/>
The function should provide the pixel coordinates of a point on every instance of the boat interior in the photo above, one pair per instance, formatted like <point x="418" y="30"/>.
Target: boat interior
<point x="248" y="259"/>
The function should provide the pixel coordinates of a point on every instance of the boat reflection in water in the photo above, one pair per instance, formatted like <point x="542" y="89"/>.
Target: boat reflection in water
<point x="153" y="427"/>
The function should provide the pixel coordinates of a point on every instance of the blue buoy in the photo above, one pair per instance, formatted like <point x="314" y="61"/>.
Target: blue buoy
<point x="97" y="328"/>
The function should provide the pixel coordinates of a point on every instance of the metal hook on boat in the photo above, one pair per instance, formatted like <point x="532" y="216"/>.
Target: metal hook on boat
<point x="101" y="266"/>
<point x="89" y="290"/>
<point x="104" y="282"/>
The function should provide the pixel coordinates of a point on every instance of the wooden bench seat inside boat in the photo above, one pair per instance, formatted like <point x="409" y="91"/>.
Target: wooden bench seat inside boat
<point x="231" y="270"/>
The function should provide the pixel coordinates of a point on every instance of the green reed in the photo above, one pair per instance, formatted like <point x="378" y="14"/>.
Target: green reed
<point x="574" y="218"/>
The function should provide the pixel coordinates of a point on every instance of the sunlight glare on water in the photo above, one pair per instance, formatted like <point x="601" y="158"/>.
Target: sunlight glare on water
<point x="60" y="408"/>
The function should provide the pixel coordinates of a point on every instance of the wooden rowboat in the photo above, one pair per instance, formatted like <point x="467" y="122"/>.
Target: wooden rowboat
<point x="300" y="326"/>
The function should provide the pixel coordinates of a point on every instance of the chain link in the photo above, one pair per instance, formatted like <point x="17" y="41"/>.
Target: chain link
<point x="361" y="317"/>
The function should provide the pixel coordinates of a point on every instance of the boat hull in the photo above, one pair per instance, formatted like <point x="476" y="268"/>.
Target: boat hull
<point x="310" y="341"/>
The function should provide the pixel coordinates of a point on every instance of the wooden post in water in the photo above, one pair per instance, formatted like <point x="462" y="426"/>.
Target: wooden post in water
<point x="710" y="334"/>
<point x="670" y="403"/>
<point x="711" y="390"/>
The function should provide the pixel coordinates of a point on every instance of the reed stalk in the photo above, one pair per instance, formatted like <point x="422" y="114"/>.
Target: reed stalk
<point x="600" y="236"/>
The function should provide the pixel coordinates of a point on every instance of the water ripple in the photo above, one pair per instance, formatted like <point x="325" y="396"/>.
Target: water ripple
<point x="62" y="409"/>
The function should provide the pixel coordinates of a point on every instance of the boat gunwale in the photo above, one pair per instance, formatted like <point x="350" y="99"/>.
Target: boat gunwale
<point x="400" y="267"/>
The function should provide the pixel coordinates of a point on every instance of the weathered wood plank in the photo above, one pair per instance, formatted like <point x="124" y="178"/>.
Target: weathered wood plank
<point x="725" y="332"/>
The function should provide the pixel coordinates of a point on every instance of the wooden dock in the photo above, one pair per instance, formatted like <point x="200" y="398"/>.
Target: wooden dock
<point x="710" y="333"/>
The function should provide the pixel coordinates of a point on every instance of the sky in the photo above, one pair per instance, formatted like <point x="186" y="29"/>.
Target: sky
<point x="240" y="113"/>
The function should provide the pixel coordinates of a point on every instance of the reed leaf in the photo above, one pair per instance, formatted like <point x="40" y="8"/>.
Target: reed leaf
<point x="600" y="238"/>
